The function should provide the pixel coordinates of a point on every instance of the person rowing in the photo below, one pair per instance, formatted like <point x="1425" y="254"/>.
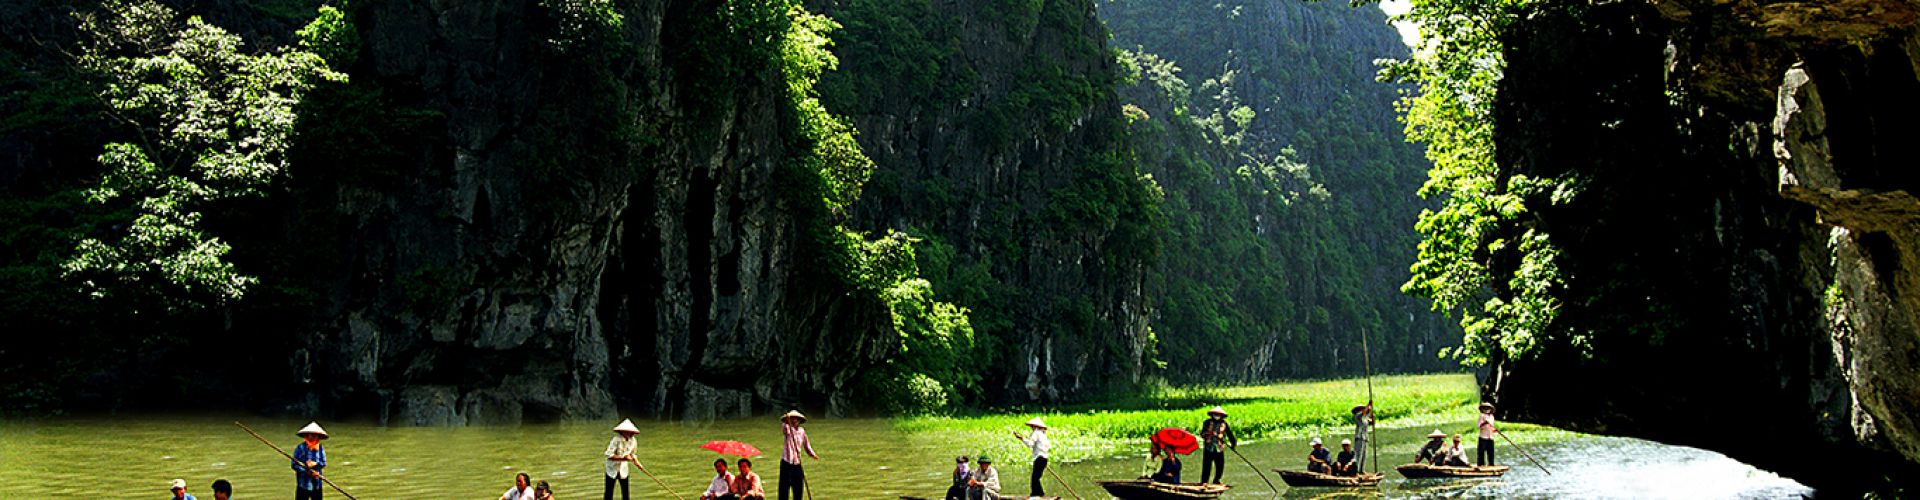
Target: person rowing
<point x="309" y="459"/>
<point x="620" y="451"/>
<point x="792" y="477"/>
<point x="1039" y="444"/>
<point x="1484" y="454"/>
<point x="1219" y="437"/>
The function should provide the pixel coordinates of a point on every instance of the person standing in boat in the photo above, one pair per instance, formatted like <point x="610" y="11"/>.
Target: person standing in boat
<point x="1362" y="426"/>
<point x="620" y="452"/>
<point x="1218" y="434"/>
<point x="1344" y="464"/>
<point x="309" y="459"/>
<point x="985" y="483"/>
<point x="1430" y="454"/>
<point x="1483" y="454"/>
<point x="1319" y="460"/>
<point x="746" y="484"/>
<point x="1040" y="445"/>
<point x="721" y="488"/>
<point x="792" y="478"/>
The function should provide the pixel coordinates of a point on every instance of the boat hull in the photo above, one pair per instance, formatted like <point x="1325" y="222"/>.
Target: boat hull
<point x="1142" y="489"/>
<point x="1424" y="471"/>
<point x="1314" y="479"/>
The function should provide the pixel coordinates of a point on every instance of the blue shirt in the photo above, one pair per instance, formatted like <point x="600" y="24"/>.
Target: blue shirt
<point x="301" y="455"/>
<point x="183" y="496"/>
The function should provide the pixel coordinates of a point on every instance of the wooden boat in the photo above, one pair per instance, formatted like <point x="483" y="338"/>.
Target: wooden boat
<point x="1424" y="471"/>
<point x="1146" y="489"/>
<point x="1304" y="478"/>
<point x="1009" y="497"/>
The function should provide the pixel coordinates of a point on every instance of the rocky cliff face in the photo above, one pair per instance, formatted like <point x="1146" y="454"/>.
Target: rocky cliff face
<point x="1743" y="242"/>
<point x="994" y="132"/>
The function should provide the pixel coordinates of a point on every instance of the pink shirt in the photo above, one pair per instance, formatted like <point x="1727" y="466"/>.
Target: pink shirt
<point x="1486" y="426"/>
<point x="748" y="485"/>
<point x="796" y="441"/>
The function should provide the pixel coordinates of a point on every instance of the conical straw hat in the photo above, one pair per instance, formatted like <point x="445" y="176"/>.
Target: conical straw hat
<point x="626" y="426"/>
<point x="1436" y="434"/>
<point x="1037" y="423"/>
<point x="1219" y="410"/>
<point x="794" y="414"/>
<point x="312" y="428"/>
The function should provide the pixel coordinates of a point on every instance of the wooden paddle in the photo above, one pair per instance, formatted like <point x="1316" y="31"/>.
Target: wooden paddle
<point x="284" y="453"/>
<point x="1523" y="451"/>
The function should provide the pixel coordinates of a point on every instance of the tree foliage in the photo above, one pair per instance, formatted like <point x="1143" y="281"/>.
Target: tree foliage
<point x="209" y="123"/>
<point x="1481" y="256"/>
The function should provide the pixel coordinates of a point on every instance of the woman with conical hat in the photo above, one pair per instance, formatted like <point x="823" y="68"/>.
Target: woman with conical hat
<point x="309" y="459"/>
<point x="1040" y="444"/>
<point x="619" y="452"/>
<point x="1483" y="454"/>
<point x="1362" y="428"/>
<point x="792" y="478"/>
<point x="1218" y="435"/>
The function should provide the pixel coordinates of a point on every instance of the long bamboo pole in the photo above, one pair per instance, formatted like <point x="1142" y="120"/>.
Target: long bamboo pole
<point x="1256" y="470"/>
<point x="284" y="453"/>
<point x="1523" y="451"/>
<point x="1372" y="447"/>
<point x="656" y="479"/>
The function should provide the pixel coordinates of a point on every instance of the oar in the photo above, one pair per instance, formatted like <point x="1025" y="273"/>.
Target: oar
<point x="1256" y="470"/>
<point x="656" y="479"/>
<point x="1367" y="356"/>
<point x="1523" y="451"/>
<point x="283" y="453"/>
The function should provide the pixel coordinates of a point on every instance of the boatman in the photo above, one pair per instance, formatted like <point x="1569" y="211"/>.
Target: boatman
<point x="1040" y="445"/>
<point x="620" y="452"/>
<point x="1362" y="425"/>
<point x="1484" y="454"/>
<point x="1218" y="434"/>
<point x="792" y="478"/>
<point x="309" y="459"/>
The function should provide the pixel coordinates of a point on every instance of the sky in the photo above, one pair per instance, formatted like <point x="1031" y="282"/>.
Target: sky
<point x="1408" y="32"/>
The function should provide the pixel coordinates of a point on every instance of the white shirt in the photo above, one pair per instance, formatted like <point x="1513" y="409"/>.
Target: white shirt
<point x="1039" y="442"/>
<point x="620" y="446"/>
<point x="989" y="478"/>
<point x="518" y="494"/>
<point x="720" y="486"/>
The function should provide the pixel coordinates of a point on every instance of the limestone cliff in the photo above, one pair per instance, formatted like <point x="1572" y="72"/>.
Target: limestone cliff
<point x="1742" y="246"/>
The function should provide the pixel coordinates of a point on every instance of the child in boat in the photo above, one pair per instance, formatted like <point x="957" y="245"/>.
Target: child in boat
<point x="1430" y="454"/>
<point x="1344" y="464"/>
<point x="960" y="476"/>
<point x="1319" y="460"/>
<point x="1169" y="466"/>
<point x="1454" y="456"/>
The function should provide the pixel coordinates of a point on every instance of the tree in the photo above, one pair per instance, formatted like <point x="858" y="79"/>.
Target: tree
<point x="205" y="123"/>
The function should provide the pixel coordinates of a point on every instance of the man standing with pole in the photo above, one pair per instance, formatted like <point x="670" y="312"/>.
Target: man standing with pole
<point x="1039" y="444"/>
<point x="792" y="477"/>
<point x="309" y="458"/>
<point x="1362" y="426"/>
<point x="1218" y="435"/>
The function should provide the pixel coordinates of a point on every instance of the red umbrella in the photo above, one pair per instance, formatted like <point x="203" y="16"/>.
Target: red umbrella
<point x="1177" y="439"/>
<point x="732" y="448"/>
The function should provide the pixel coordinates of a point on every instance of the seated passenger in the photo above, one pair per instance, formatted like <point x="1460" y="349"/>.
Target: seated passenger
<point x="1169" y="467"/>
<point x="1319" y="460"/>
<point x="1343" y="464"/>
<point x="1430" y="453"/>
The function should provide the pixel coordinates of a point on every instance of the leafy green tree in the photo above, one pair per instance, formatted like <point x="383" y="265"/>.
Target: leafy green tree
<point x="207" y="123"/>
<point x="1481" y="256"/>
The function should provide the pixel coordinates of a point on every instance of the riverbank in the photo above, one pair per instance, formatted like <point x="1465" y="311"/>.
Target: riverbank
<point x="1266" y="412"/>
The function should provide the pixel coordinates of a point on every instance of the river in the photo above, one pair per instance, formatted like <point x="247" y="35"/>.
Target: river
<point x="135" y="457"/>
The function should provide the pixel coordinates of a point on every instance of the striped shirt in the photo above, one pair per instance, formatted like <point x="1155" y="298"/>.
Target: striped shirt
<point x="796" y="438"/>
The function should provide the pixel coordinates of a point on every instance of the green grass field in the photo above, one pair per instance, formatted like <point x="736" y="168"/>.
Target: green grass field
<point x="1258" y="413"/>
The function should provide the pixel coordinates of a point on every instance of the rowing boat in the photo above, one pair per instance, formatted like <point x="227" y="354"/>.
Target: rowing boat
<point x="1304" y="478"/>
<point x="1145" y="489"/>
<point x="1424" y="471"/>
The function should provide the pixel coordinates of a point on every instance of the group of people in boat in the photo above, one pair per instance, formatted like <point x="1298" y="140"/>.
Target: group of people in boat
<point x="726" y="484"/>
<point x="983" y="482"/>
<point x="1352" y="457"/>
